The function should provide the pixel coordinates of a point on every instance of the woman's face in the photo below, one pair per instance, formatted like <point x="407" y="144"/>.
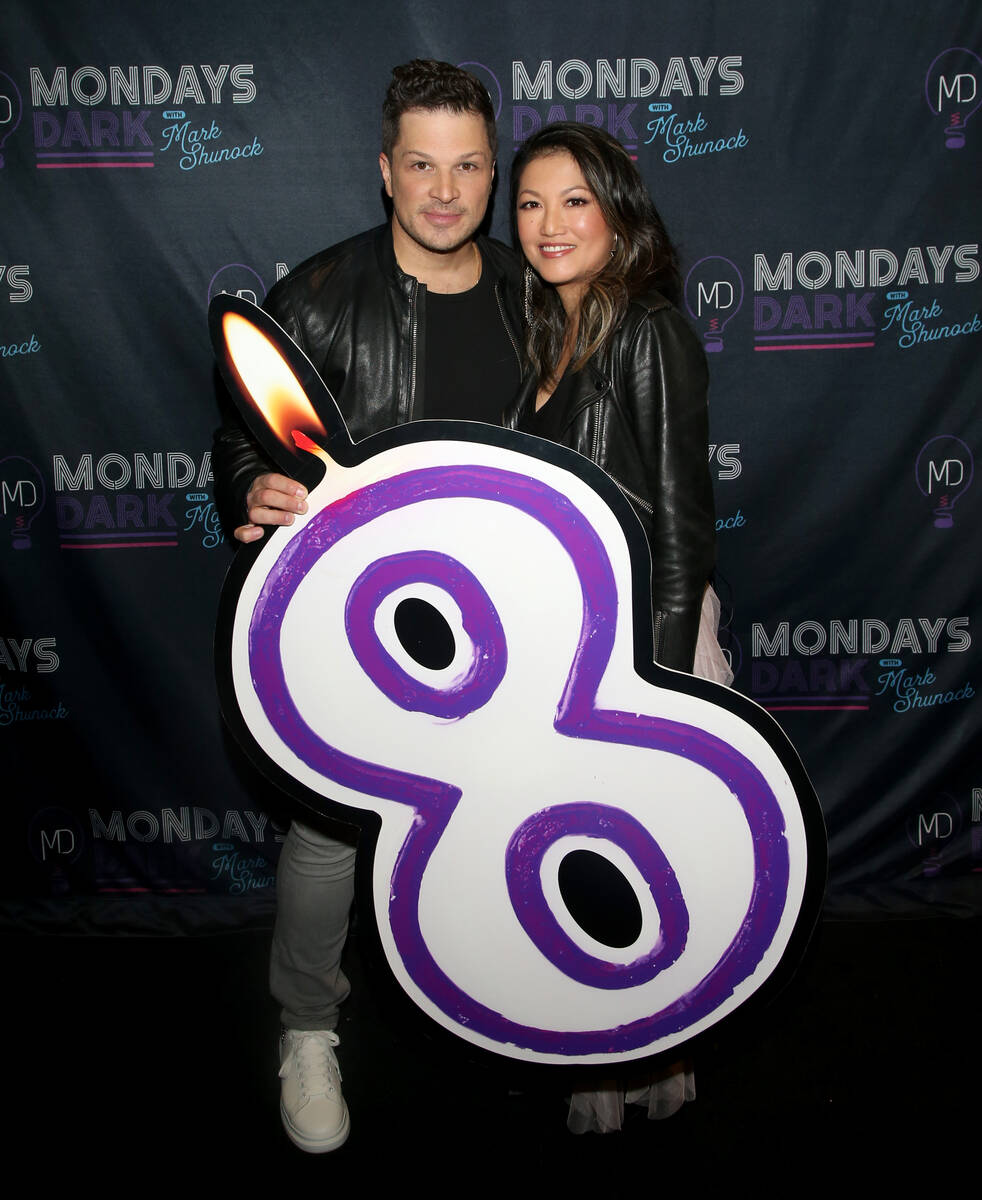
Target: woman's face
<point x="563" y="232"/>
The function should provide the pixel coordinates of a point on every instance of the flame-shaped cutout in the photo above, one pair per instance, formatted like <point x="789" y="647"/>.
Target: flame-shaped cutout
<point x="269" y="381"/>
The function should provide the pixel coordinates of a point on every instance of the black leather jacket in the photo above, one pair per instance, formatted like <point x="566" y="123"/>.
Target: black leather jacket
<point x="638" y="410"/>
<point x="362" y="322"/>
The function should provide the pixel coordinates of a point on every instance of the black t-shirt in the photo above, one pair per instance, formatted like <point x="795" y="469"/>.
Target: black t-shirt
<point x="547" y="422"/>
<point x="471" y="368"/>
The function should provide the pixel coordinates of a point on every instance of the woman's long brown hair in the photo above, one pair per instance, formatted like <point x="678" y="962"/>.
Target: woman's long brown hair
<point x="643" y="257"/>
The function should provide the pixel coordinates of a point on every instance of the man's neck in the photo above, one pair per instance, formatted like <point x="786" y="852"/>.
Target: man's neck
<point x="457" y="271"/>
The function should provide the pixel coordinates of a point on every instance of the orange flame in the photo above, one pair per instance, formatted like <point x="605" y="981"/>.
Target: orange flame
<point x="269" y="380"/>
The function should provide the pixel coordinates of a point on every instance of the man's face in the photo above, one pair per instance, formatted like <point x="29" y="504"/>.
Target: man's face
<point x="439" y="178"/>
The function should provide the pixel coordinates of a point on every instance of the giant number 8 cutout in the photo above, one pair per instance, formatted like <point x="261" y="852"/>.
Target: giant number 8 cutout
<point x="544" y="729"/>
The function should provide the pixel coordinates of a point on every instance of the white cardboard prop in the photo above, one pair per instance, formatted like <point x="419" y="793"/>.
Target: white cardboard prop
<point x="453" y="649"/>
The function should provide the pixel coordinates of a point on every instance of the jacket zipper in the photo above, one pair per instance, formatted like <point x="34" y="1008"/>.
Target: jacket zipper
<point x="639" y="500"/>
<point x="595" y="445"/>
<point x="412" y="364"/>
<point x="657" y="623"/>
<point x="504" y="321"/>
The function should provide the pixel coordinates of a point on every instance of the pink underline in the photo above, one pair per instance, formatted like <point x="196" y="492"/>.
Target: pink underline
<point x="812" y="337"/>
<point x="819" y="346"/>
<point x="97" y="165"/>
<point x="91" y="537"/>
<point x="116" y="545"/>
<point x="84" y="154"/>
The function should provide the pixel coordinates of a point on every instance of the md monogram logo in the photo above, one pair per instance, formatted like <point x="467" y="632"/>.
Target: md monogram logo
<point x="944" y="472"/>
<point x="951" y="89"/>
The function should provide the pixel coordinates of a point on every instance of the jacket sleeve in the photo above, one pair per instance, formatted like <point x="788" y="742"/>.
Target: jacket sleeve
<point x="665" y="392"/>
<point x="236" y="461"/>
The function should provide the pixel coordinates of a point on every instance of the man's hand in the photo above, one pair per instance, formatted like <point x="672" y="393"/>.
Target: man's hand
<point x="272" y="500"/>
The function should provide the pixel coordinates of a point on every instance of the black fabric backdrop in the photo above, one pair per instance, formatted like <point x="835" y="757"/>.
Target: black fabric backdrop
<point x="818" y="165"/>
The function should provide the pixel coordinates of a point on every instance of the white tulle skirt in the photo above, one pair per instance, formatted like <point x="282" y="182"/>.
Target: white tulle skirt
<point x="662" y="1092"/>
<point x="710" y="661"/>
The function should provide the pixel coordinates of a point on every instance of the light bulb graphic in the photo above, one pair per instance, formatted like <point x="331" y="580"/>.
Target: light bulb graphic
<point x="10" y="110"/>
<point x="732" y="651"/>
<point x="944" y="471"/>
<point x="713" y="296"/>
<point x="490" y="81"/>
<point x="933" y="829"/>
<point x="951" y="88"/>
<point x="22" y="495"/>
<point x="236" y="279"/>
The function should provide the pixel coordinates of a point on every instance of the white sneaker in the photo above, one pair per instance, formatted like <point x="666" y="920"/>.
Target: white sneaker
<point x="313" y="1110"/>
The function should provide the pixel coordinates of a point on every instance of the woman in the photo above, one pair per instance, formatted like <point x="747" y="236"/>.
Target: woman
<point x="616" y="373"/>
<point x="614" y="370"/>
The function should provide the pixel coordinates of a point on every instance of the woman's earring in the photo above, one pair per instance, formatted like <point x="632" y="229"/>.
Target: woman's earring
<point x="528" y="295"/>
<point x="613" y="249"/>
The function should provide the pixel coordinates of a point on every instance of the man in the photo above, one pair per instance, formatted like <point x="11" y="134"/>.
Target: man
<point x="418" y="318"/>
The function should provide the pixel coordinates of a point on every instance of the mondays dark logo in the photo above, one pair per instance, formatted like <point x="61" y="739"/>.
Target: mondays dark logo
<point x="944" y="471"/>
<point x="855" y="664"/>
<point x="818" y="300"/>
<point x="131" y="117"/>
<point x="240" y="872"/>
<point x="725" y="464"/>
<point x="679" y="137"/>
<point x="935" y="831"/>
<point x="11" y="111"/>
<point x="20" y="706"/>
<point x="670" y="109"/>
<point x="188" y="850"/>
<point x="55" y="837"/>
<point x="183" y="825"/>
<point x="713" y="295"/>
<point x="22" y="497"/>
<point x="490" y="80"/>
<point x="952" y="92"/>
<point x="30" y="655"/>
<point x="914" y="322"/>
<point x="15" y="283"/>
<point x="140" y="501"/>
<point x="724" y="460"/>
<point x="22" y="701"/>
<point x="239" y="279"/>
<point x="829" y="299"/>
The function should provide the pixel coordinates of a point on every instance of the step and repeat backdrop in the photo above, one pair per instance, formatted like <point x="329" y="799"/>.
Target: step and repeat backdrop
<point x="819" y="167"/>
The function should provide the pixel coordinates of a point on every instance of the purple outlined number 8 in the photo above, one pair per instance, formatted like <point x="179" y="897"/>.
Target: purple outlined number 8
<point x="470" y="921"/>
<point x="489" y="658"/>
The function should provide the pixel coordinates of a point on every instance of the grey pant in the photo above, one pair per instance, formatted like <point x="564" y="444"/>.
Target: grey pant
<point x="314" y="890"/>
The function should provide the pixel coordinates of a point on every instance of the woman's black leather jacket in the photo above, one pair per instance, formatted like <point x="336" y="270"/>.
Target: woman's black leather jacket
<point x="638" y="409"/>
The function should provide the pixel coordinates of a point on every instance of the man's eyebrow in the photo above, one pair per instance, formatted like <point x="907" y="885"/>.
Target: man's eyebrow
<point x="459" y="158"/>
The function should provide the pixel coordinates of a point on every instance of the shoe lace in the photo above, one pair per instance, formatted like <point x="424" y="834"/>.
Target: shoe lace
<point x="316" y="1064"/>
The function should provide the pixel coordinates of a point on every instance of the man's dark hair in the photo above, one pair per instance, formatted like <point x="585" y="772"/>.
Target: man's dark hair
<point x="426" y="83"/>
